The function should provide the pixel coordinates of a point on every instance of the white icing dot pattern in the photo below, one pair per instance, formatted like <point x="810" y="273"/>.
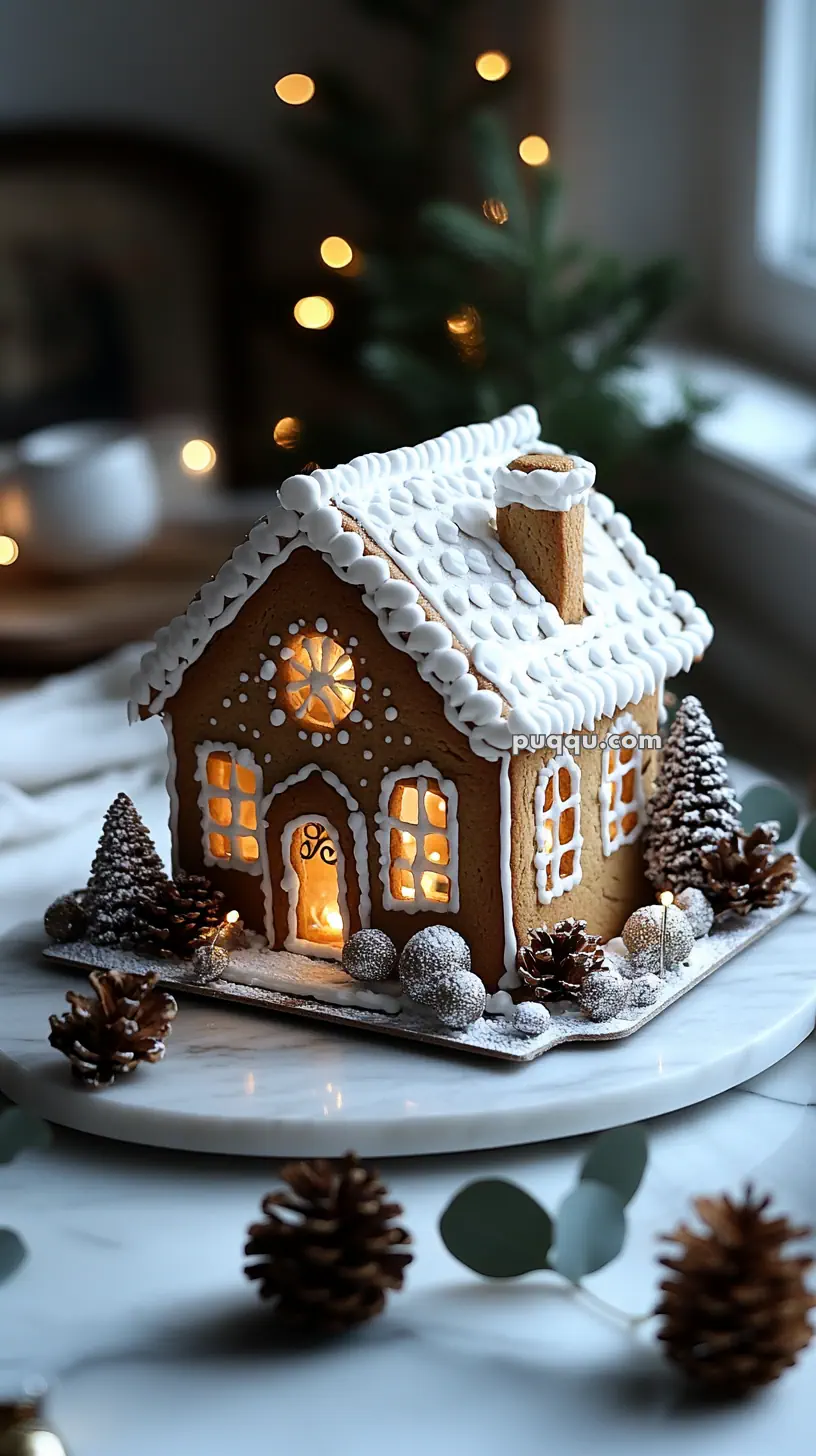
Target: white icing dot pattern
<point x="433" y="503"/>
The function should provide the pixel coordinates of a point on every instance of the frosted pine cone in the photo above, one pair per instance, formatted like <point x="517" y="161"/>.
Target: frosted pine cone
<point x="557" y="960"/>
<point x="108" y="1036"/>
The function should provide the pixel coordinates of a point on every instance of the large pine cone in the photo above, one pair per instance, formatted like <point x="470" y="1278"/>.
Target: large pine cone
<point x="107" y="1037"/>
<point x="554" y="964"/>
<point x="742" y="875"/>
<point x="735" y="1314"/>
<point x="178" y="917"/>
<point x="329" y="1251"/>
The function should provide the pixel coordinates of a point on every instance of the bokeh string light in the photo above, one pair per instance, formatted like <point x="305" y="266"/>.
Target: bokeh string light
<point x="534" y="150"/>
<point x="492" y="65"/>
<point x="287" y="432"/>
<point x="198" y="457"/>
<point x="336" y="252"/>
<point x="295" y="89"/>
<point x="9" y="551"/>
<point x="467" y="335"/>
<point x="495" y="210"/>
<point x="314" y="312"/>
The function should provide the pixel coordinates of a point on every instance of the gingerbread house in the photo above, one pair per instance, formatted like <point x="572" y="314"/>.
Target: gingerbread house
<point x="369" y="708"/>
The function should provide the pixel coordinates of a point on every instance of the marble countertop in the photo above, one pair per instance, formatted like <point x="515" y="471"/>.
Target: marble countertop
<point x="133" y="1304"/>
<point x="133" y="1301"/>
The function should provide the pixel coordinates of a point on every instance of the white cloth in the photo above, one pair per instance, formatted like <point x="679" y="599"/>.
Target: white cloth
<point x="66" y="751"/>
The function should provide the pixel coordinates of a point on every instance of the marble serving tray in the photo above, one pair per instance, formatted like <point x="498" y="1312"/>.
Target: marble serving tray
<point x="320" y="991"/>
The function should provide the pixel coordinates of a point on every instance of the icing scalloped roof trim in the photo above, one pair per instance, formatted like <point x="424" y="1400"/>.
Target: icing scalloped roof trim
<point x="479" y="631"/>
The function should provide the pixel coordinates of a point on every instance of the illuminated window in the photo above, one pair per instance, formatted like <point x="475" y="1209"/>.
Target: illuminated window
<point x="229" y="796"/>
<point x="317" y="675"/>
<point x="621" y="793"/>
<point x="558" y="828"/>
<point x="418" y="836"/>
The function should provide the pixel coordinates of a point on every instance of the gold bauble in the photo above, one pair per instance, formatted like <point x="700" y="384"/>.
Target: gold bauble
<point x="24" y="1431"/>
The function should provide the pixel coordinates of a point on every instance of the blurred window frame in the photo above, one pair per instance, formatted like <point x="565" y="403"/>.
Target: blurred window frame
<point x="769" y="288"/>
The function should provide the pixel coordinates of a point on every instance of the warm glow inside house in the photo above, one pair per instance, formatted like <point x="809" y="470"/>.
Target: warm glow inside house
<point x="366" y="707"/>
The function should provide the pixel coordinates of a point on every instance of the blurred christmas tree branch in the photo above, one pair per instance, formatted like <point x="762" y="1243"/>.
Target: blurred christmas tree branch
<point x="452" y="313"/>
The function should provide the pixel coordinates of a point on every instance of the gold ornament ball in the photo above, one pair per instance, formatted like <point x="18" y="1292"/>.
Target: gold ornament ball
<point x="642" y="934"/>
<point x="25" y="1432"/>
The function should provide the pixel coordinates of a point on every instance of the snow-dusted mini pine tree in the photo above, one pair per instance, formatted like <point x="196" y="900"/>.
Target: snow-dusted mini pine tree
<point x="693" y="806"/>
<point x="126" y="865"/>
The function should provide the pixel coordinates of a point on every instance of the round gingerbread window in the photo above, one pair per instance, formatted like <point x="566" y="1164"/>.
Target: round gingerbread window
<point x="317" y="675"/>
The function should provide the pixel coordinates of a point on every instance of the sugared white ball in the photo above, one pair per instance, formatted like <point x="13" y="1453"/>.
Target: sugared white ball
<point x="645" y="990"/>
<point x="697" y="911"/>
<point x="458" y="999"/>
<point x="370" y="955"/>
<point x="429" y="956"/>
<point x="604" y="994"/>
<point x="208" y="964"/>
<point x="642" y="937"/>
<point x="530" y="1018"/>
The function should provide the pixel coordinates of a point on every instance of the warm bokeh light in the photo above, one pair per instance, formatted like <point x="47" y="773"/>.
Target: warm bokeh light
<point x="9" y="550"/>
<point x="495" y="210"/>
<point x="465" y="329"/>
<point x="295" y="89"/>
<point x="287" y="432"/>
<point x="336" y="252"/>
<point x="534" y="151"/>
<point x="231" y="917"/>
<point x="666" y="897"/>
<point x="462" y="323"/>
<point x="314" y="312"/>
<point x="492" y="65"/>
<point x="198" y="456"/>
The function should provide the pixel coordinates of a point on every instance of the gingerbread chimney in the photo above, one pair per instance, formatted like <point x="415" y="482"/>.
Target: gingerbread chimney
<point x="540" y="521"/>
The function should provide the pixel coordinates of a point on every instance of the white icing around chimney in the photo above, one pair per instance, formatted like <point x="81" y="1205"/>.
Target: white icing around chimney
<point x="557" y="489"/>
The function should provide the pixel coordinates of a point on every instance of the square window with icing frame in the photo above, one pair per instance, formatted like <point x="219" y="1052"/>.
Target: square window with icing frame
<point x="229" y="800"/>
<point x="621" y="794"/>
<point x="558" y="828"/>
<point x="418" y="835"/>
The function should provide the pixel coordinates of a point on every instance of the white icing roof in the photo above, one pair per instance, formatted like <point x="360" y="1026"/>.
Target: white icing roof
<point x="430" y="508"/>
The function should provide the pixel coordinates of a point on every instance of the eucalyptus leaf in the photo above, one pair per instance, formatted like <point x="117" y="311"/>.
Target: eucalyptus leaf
<point x="618" y="1160"/>
<point x="770" y="801"/>
<point x="18" y="1130"/>
<point x="807" y="843"/>
<point x="496" y="1229"/>
<point x="589" y="1232"/>
<point x="13" y="1253"/>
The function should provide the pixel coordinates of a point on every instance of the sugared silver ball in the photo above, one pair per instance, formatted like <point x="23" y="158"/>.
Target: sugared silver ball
<point x="429" y="956"/>
<point x="642" y="935"/>
<point x="697" y="911"/>
<point x="209" y="963"/>
<point x="370" y="955"/>
<point x="604" y="994"/>
<point x="458" y="999"/>
<point x="530" y="1018"/>
<point x="644" y="991"/>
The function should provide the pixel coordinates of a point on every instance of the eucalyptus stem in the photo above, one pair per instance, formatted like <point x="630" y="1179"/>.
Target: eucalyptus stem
<point x="603" y="1306"/>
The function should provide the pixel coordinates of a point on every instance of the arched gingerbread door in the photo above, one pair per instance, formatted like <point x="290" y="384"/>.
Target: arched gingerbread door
<point x="316" y="846"/>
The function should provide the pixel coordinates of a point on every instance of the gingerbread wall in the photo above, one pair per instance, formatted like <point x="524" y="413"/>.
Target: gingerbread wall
<point x="224" y="698"/>
<point x="611" y="886"/>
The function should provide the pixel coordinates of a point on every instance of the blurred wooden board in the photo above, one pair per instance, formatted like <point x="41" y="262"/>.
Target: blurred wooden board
<point x="48" y="622"/>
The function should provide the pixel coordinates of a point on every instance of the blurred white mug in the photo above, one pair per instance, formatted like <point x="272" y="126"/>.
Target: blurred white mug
<point x="93" y="495"/>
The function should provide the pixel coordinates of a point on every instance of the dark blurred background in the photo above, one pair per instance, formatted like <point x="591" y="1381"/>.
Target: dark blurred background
<point x="261" y="234"/>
